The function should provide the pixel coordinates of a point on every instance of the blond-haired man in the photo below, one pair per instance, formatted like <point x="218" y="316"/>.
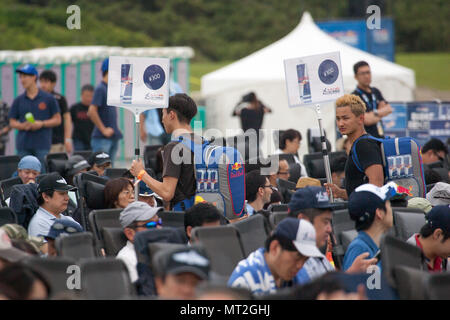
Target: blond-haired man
<point x="350" y="111"/>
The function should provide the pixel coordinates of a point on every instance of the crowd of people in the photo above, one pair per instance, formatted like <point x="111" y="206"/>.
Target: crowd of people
<point x="297" y="260"/>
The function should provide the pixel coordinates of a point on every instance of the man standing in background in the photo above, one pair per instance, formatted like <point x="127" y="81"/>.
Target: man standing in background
<point x="82" y="125"/>
<point x="62" y="134"/>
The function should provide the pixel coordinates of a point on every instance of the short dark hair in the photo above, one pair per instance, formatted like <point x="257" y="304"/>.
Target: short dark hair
<point x="200" y="213"/>
<point x="328" y="283"/>
<point x="184" y="107"/>
<point x="49" y="75"/>
<point x="432" y="177"/>
<point x="436" y="145"/>
<point x="112" y="190"/>
<point x="310" y="213"/>
<point x="361" y="226"/>
<point x="284" y="242"/>
<point x="104" y="73"/>
<point x="338" y="164"/>
<point x="358" y="65"/>
<point x="87" y="87"/>
<point x="253" y="181"/>
<point x="127" y="174"/>
<point x="20" y="279"/>
<point x="40" y="198"/>
<point x="290" y="135"/>
<point x="427" y="231"/>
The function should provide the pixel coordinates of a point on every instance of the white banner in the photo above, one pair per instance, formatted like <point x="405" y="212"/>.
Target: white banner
<point x="313" y="79"/>
<point x="138" y="83"/>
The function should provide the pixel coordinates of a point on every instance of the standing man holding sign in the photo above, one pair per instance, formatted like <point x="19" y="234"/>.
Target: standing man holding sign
<point x="350" y="114"/>
<point x="106" y="134"/>
<point x="376" y="107"/>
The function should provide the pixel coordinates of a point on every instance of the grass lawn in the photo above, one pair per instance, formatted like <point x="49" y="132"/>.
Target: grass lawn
<point x="432" y="69"/>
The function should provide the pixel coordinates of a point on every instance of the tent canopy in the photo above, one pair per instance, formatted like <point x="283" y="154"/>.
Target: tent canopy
<point x="263" y="72"/>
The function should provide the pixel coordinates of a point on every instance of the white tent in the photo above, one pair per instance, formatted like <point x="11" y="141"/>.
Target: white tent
<point x="263" y="73"/>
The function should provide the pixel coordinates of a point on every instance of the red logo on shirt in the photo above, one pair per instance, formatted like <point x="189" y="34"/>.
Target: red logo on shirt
<point x="42" y="106"/>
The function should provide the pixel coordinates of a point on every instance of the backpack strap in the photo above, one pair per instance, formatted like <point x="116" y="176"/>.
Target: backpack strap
<point x="195" y="148"/>
<point x="355" y="156"/>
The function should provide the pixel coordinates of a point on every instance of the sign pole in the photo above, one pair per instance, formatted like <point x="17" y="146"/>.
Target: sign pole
<point x="137" y="152"/>
<point x="326" y="159"/>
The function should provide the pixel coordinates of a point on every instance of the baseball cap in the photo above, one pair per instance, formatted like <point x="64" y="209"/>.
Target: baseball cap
<point x="364" y="201"/>
<point x="137" y="211"/>
<point x="15" y="231"/>
<point x="99" y="158"/>
<point x="188" y="259"/>
<point x="439" y="217"/>
<point x="54" y="181"/>
<point x="440" y="194"/>
<point x="30" y="162"/>
<point x="302" y="234"/>
<point x="310" y="197"/>
<point x="75" y="164"/>
<point x="27" y="69"/>
<point x="7" y="251"/>
<point x="62" y="226"/>
<point x="105" y="65"/>
<point x="144" y="190"/>
<point x="420" y="203"/>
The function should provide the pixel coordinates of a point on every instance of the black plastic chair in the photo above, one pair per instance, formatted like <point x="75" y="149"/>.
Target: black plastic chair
<point x="438" y="286"/>
<point x="84" y="153"/>
<point x="314" y="142"/>
<point x="103" y="218"/>
<point x="340" y="222"/>
<point x="172" y="218"/>
<point x="113" y="173"/>
<point x="7" y="215"/>
<point x="55" y="156"/>
<point x="276" y="217"/>
<point x="252" y="233"/>
<point x="8" y="165"/>
<point x="114" y="240"/>
<point x="6" y="188"/>
<point x="278" y="208"/>
<point x="407" y="221"/>
<point x="76" y="246"/>
<point x="411" y="283"/>
<point x="150" y="159"/>
<point x="105" y="279"/>
<point x="155" y="247"/>
<point x="223" y="246"/>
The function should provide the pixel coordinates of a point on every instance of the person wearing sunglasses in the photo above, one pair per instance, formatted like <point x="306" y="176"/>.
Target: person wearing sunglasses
<point x="258" y="191"/>
<point x="137" y="216"/>
<point x="434" y="151"/>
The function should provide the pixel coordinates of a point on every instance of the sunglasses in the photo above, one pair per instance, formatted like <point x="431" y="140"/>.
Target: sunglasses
<point x="151" y="224"/>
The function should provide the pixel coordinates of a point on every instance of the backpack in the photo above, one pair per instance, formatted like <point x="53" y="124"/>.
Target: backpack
<point x="220" y="176"/>
<point x="402" y="164"/>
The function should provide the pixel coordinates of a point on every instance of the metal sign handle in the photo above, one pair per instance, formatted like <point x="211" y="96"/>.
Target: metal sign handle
<point x="326" y="158"/>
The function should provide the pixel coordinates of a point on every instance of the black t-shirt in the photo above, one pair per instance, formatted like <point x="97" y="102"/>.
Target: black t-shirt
<point x="369" y="153"/>
<point x="58" y="132"/>
<point x="252" y="119"/>
<point x="82" y="125"/>
<point x="184" y="172"/>
<point x="368" y="99"/>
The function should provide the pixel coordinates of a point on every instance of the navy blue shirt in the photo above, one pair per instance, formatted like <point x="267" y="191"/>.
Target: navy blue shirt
<point x="108" y="114"/>
<point x="362" y="243"/>
<point x="43" y="107"/>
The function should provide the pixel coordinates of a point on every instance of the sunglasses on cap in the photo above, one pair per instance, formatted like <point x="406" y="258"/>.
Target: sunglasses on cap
<point x="59" y="226"/>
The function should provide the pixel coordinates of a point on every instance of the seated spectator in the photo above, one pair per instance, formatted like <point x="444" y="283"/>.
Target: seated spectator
<point x="434" y="238"/>
<point x="282" y="173"/>
<point x="433" y="151"/>
<point x="53" y="200"/>
<point x="202" y="214"/>
<point x="137" y="216"/>
<point x="128" y="175"/>
<point x="258" y="191"/>
<point x="99" y="161"/>
<point x="147" y="195"/>
<point x="119" y="193"/>
<point x="60" y="227"/>
<point x="338" y="171"/>
<point x="440" y="194"/>
<point x="275" y="266"/>
<point x="19" y="233"/>
<point x="208" y="291"/>
<point x="275" y="198"/>
<point x="75" y="165"/>
<point x="8" y="253"/>
<point x="25" y="246"/>
<point x="28" y="169"/>
<point x="370" y="208"/>
<point x="432" y="177"/>
<point x="307" y="182"/>
<point x="312" y="204"/>
<point x="289" y="144"/>
<point x="420" y="203"/>
<point x="23" y="283"/>
<point x="180" y="271"/>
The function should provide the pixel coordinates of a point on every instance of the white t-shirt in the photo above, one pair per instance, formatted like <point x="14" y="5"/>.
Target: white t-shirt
<point x="128" y="255"/>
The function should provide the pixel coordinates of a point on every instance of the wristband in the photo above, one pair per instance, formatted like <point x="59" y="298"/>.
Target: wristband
<point x="68" y="140"/>
<point x="141" y="174"/>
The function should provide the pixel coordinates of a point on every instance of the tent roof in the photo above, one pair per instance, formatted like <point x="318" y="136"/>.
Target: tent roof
<point x="306" y="39"/>
<point x="74" y="54"/>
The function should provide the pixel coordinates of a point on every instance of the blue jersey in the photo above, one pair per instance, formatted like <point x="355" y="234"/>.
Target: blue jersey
<point x="362" y="243"/>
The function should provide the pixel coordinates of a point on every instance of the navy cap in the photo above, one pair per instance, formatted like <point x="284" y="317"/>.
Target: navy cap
<point x="27" y="69"/>
<point x="311" y="197"/>
<point x="367" y="198"/>
<point x="105" y="65"/>
<point x="62" y="226"/>
<point x="99" y="158"/>
<point x="144" y="190"/>
<point x="439" y="217"/>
